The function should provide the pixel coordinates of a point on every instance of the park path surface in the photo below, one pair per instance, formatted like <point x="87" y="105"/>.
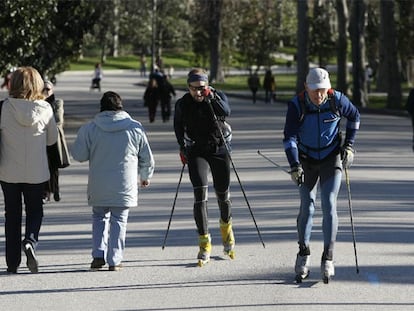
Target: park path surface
<point x="259" y="278"/>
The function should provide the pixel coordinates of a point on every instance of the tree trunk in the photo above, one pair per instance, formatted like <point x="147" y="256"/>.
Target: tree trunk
<point x="356" y="29"/>
<point x="389" y="69"/>
<point x="216" y="72"/>
<point x="115" y="47"/>
<point x="302" y="60"/>
<point x="342" y="70"/>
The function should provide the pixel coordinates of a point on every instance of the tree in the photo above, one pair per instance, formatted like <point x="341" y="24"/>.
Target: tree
<point x="356" y="30"/>
<point x="45" y="34"/>
<point x="323" y="36"/>
<point x="216" y="72"/>
<point x="389" y="73"/>
<point x="302" y="48"/>
<point x="342" y="46"/>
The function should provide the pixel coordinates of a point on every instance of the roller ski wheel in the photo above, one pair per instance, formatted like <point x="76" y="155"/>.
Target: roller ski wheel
<point x="231" y="254"/>
<point x="300" y="277"/>
<point x="203" y="262"/>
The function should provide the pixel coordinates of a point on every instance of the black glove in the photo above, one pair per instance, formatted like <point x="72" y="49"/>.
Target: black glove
<point x="296" y="173"/>
<point x="347" y="155"/>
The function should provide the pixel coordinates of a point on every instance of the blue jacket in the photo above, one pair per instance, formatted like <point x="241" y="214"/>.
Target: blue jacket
<point x="118" y="151"/>
<point x="317" y="135"/>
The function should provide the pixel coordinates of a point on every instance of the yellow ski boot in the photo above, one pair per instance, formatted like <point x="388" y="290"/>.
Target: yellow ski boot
<point x="228" y="238"/>
<point x="203" y="256"/>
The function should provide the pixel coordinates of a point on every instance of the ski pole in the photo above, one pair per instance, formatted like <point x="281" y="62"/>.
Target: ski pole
<point x="273" y="162"/>
<point x="348" y="186"/>
<point x="235" y="171"/>
<point x="173" y="206"/>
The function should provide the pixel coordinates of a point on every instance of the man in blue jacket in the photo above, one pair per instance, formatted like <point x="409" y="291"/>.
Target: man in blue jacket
<point x="118" y="151"/>
<point x="312" y="143"/>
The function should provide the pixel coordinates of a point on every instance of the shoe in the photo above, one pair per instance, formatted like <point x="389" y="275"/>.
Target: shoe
<point x="11" y="270"/>
<point x="97" y="264"/>
<point x="31" y="262"/>
<point x="115" y="268"/>
<point x="227" y="237"/>
<point x="56" y="196"/>
<point x="203" y="255"/>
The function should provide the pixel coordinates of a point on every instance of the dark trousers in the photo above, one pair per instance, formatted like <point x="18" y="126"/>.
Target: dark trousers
<point x="199" y="165"/>
<point x="32" y="194"/>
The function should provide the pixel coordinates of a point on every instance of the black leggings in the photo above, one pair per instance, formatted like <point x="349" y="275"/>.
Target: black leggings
<point x="198" y="167"/>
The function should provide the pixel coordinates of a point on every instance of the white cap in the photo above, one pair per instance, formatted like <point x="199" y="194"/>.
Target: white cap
<point x="318" y="78"/>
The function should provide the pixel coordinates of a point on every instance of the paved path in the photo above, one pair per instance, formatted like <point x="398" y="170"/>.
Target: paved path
<point x="259" y="278"/>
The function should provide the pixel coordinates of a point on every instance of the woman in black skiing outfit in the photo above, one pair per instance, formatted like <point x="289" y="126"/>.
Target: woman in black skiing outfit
<point x="204" y="140"/>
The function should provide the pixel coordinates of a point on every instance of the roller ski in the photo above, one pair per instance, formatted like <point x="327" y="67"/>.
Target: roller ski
<point x="205" y="250"/>
<point x="327" y="270"/>
<point x="227" y="236"/>
<point x="302" y="267"/>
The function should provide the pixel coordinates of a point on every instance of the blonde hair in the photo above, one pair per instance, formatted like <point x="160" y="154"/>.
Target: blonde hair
<point x="26" y="83"/>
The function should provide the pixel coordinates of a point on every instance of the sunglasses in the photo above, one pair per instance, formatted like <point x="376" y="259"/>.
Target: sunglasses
<point x="196" y="88"/>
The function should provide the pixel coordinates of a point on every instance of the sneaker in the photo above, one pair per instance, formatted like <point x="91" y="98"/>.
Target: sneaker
<point x="31" y="262"/>
<point x="227" y="237"/>
<point x="115" y="268"/>
<point x="97" y="264"/>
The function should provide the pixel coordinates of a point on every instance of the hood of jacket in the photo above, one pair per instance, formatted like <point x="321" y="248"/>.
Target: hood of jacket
<point x="113" y="121"/>
<point x="29" y="112"/>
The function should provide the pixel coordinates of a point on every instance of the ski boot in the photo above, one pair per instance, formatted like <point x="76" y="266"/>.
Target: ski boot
<point x="302" y="267"/>
<point x="227" y="238"/>
<point x="327" y="270"/>
<point x="302" y="263"/>
<point x="203" y="256"/>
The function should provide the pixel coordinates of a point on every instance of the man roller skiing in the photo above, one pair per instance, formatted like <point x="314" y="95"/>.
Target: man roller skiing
<point x="312" y="143"/>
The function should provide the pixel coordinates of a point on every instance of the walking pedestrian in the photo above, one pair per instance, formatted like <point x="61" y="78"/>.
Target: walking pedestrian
<point x="409" y="106"/>
<point x="118" y="151"/>
<point x="254" y="84"/>
<point x="269" y="85"/>
<point x="167" y="92"/>
<point x="152" y="97"/>
<point x="312" y="142"/>
<point x="58" y="154"/>
<point x="27" y="127"/>
<point x="97" y="77"/>
<point x="199" y="123"/>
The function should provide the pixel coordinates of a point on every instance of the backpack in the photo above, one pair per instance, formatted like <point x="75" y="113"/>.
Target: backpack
<point x="333" y="106"/>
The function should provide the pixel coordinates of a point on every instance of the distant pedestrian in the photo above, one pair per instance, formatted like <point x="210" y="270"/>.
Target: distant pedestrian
<point x="167" y="92"/>
<point x="97" y="77"/>
<point x="254" y="83"/>
<point x="58" y="155"/>
<point x="269" y="85"/>
<point x="27" y="128"/>
<point x="409" y="106"/>
<point x="368" y="77"/>
<point x="143" y="66"/>
<point x="118" y="151"/>
<point x="152" y="98"/>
